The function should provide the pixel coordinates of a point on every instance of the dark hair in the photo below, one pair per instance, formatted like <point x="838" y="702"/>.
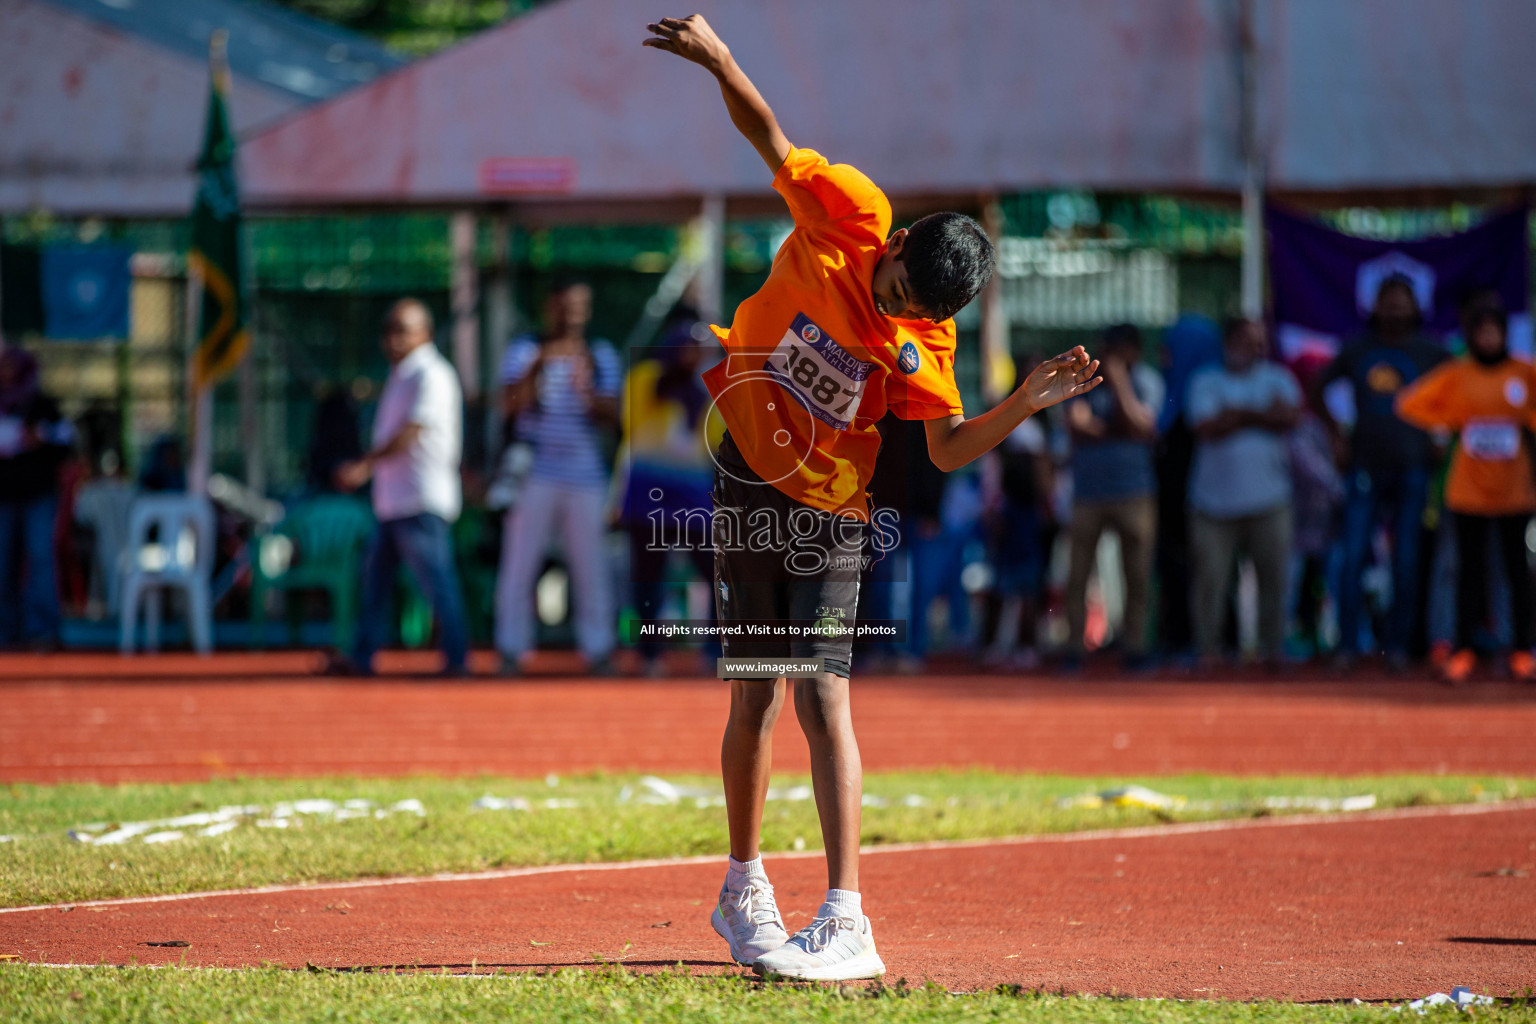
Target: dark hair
<point x="1122" y="336"/>
<point x="1402" y="283"/>
<point x="949" y="259"/>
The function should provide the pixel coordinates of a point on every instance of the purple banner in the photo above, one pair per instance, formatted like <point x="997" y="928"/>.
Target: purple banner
<point x="1324" y="283"/>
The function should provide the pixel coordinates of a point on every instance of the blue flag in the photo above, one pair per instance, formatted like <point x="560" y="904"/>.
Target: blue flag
<point x="85" y="291"/>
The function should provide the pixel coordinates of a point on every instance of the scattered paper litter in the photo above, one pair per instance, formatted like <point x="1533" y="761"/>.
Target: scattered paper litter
<point x="164" y="837"/>
<point x="1140" y="796"/>
<point x="658" y="791"/>
<point x="500" y="803"/>
<point x="1320" y="803"/>
<point x="1124" y="796"/>
<point x="230" y="817"/>
<point x="1461" y="997"/>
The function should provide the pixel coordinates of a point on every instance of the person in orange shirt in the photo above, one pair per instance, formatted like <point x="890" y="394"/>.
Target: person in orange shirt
<point x="1486" y="397"/>
<point x="854" y="320"/>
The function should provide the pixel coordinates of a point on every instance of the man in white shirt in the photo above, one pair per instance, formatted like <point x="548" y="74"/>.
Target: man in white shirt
<point x="414" y="464"/>
<point x="1240" y="484"/>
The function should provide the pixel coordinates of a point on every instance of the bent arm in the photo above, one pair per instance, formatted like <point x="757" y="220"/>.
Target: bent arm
<point x="751" y="115"/>
<point x="954" y="441"/>
<point x="1428" y="403"/>
<point x="692" y="39"/>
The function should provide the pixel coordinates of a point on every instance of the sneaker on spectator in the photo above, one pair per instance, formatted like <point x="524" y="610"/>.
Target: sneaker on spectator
<point x="1522" y="666"/>
<point x="1458" y="667"/>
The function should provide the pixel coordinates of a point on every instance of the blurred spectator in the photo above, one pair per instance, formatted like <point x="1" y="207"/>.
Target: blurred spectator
<point x="103" y="504"/>
<point x="668" y="470"/>
<point x="18" y="383"/>
<point x="942" y="513"/>
<point x="885" y="593"/>
<point x="164" y="469"/>
<point x="1485" y="397"/>
<point x="1114" y="486"/>
<point x="29" y="504"/>
<point x="1190" y="345"/>
<point x="563" y="391"/>
<point x="1240" y="484"/>
<point x="414" y="464"/>
<point x="1016" y="487"/>
<point x="1319" y="488"/>
<point x="1387" y="462"/>
<point x="334" y="441"/>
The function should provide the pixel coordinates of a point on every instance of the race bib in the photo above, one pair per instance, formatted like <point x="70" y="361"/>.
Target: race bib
<point x="1490" y="440"/>
<point x="819" y="372"/>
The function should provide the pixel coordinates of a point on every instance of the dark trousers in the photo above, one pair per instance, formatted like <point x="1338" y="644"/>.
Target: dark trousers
<point x="648" y="575"/>
<point x="1398" y="499"/>
<point x="423" y="544"/>
<point x="1473" y="581"/>
<point x="29" y="595"/>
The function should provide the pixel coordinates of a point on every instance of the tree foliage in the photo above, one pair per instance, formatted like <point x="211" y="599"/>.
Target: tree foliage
<point x="415" y="26"/>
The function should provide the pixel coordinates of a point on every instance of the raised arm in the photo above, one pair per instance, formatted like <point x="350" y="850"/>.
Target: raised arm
<point x="692" y="39"/>
<point x="954" y="441"/>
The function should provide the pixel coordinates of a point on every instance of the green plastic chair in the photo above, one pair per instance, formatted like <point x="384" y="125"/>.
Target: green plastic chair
<point x="317" y="546"/>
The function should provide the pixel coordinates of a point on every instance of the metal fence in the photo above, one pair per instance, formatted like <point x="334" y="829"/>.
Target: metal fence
<point x="1070" y="263"/>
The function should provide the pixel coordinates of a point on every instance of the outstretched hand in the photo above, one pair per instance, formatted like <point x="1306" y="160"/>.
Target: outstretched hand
<point x="690" y="38"/>
<point x="1062" y="377"/>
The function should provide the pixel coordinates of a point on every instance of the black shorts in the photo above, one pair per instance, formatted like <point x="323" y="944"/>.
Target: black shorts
<point x="780" y="561"/>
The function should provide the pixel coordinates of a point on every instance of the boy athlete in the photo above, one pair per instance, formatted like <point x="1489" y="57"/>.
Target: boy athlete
<point x="850" y="323"/>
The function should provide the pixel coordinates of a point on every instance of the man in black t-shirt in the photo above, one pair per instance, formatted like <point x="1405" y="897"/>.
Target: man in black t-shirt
<point x="1387" y="462"/>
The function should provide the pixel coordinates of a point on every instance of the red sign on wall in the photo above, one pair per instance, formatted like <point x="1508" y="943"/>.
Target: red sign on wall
<point x="500" y="175"/>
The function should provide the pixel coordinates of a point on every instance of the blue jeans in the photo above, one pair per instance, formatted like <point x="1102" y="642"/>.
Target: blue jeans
<point x="1396" y="498"/>
<point x="936" y="565"/>
<point x="422" y="542"/>
<point x="29" y="595"/>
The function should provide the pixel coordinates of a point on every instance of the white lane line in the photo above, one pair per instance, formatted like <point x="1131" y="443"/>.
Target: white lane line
<point x="1097" y="835"/>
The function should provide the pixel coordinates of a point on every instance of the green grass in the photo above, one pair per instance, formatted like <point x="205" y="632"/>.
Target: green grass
<point x="43" y="865"/>
<point x="119" y="996"/>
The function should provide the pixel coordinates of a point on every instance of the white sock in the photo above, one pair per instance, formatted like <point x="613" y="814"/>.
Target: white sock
<point x="845" y="902"/>
<point x="741" y="871"/>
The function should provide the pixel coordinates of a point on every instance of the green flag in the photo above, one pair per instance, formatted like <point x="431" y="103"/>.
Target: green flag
<point x="215" y="249"/>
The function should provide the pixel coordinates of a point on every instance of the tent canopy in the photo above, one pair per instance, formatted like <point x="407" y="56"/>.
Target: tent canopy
<point x="562" y="113"/>
<point x="102" y="104"/>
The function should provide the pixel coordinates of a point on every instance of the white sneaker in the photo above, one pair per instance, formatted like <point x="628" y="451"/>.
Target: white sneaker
<point x="833" y="947"/>
<point x="749" y="921"/>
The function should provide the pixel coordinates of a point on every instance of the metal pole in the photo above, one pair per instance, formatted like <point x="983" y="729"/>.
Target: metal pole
<point x="500" y="323"/>
<point x="1253" y="167"/>
<point x="464" y="289"/>
<point x="711" y="279"/>
<point x="199" y="399"/>
<point x="996" y="351"/>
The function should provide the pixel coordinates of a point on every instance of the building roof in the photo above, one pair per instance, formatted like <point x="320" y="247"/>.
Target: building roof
<point x="563" y="113"/>
<point x="102" y="103"/>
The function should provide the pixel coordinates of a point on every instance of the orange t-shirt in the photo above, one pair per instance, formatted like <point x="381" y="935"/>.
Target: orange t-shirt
<point x="1491" y="408"/>
<point x="810" y="365"/>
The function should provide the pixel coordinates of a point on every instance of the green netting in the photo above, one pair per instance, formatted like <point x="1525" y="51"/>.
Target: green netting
<point x="323" y="282"/>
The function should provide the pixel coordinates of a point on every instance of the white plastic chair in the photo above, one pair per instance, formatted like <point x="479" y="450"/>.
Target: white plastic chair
<point x="181" y="556"/>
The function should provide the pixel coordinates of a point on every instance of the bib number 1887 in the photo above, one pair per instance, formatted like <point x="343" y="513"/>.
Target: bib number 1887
<point x="822" y="387"/>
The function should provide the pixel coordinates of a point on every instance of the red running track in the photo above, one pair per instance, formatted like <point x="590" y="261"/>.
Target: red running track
<point x="1387" y="907"/>
<point x="100" y="717"/>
